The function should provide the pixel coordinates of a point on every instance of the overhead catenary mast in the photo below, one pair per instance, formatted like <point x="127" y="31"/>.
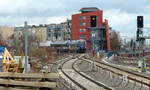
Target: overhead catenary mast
<point x="26" y="46"/>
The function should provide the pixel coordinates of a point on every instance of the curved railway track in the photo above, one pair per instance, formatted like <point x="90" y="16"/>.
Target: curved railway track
<point x="90" y="79"/>
<point x="82" y="86"/>
<point x="136" y="77"/>
<point x="75" y="82"/>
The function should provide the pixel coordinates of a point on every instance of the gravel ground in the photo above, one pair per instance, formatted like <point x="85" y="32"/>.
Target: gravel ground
<point x="131" y="67"/>
<point x="61" y="83"/>
<point x="108" y="78"/>
<point x="132" y="63"/>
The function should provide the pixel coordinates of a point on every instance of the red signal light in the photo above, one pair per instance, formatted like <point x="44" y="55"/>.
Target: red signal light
<point x="93" y="19"/>
<point x="140" y="19"/>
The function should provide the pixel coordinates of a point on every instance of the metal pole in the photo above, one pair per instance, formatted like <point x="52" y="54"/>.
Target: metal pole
<point x="93" y="54"/>
<point x="26" y="46"/>
<point x="143" y="61"/>
<point x="102" y="41"/>
<point x="93" y="37"/>
<point x="69" y="47"/>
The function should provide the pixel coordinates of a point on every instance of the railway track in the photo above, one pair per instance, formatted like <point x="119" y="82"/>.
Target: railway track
<point x="92" y="80"/>
<point x="75" y="82"/>
<point x="80" y="80"/>
<point x="135" y="77"/>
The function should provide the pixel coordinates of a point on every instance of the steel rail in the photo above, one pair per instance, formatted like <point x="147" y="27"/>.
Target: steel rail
<point x="97" y="83"/>
<point x="123" y="70"/>
<point x="75" y="82"/>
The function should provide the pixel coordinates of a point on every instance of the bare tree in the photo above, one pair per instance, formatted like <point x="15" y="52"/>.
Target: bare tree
<point x="115" y="40"/>
<point x="2" y="41"/>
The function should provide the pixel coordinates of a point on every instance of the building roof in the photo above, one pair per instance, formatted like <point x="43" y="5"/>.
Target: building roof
<point x="19" y="28"/>
<point x="65" y="43"/>
<point x="88" y="9"/>
<point x="46" y="43"/>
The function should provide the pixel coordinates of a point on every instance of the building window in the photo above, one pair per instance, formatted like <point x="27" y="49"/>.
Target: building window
<point x="83" y="17"/>
<point x="49" y="35"/>
<point x="82" y="24"/>
<point x="49" y="30"/>
<point x="82" y="36"/>
<point x="82" y="30"/>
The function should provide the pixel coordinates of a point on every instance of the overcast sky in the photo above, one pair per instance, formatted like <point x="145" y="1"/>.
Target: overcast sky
<point x="120" y="13"/>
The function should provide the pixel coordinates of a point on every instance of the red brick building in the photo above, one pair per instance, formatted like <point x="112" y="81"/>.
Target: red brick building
<point x="89" y="21"/>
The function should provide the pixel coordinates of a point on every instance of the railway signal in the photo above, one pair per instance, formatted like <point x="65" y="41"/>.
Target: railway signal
<point x="140" y="21"/>
<point x="140" y="25"/>
<point x="141" y="39"/>
<point x="93" y="21"/>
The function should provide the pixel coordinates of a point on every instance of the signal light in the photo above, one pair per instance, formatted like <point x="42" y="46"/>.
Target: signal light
<point x="93" y="18"/>
<point x="93" y="21"/>
<point x="139" y="21"/>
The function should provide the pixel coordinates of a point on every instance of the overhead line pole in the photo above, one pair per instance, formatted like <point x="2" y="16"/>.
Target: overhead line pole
<point x="26" y="46"/>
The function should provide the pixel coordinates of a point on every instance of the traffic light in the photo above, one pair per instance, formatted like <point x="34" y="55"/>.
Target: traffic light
<point x="139" y="21"/>
<point x="93" y="21"/>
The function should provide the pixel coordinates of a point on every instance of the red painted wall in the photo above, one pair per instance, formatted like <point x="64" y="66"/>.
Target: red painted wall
<point x="76" y="26"/>
<point x="107" y="34"/>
